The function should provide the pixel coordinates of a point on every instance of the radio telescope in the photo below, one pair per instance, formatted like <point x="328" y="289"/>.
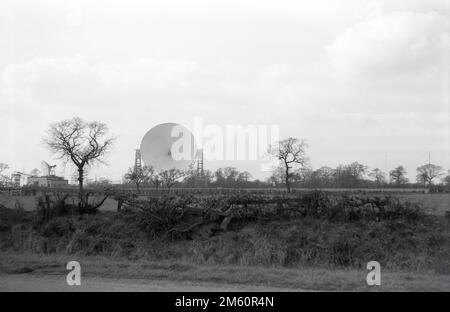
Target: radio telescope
<point x="168" y="146"/>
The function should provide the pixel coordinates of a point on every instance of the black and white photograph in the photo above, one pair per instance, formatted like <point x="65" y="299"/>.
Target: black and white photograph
<point x="224" y="152"/>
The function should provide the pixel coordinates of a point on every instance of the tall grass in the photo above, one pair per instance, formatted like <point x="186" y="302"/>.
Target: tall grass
<point x="314" y="229"/>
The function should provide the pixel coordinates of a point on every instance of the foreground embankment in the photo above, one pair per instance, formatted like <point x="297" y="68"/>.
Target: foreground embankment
<point x="314" y="232"/>
<point x="37" y="272"/>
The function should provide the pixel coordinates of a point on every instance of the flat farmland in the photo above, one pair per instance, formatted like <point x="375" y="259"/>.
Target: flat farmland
<point x="48" y="273"/>
<point x="436" y="204"/>
<point x="324" y="243"/>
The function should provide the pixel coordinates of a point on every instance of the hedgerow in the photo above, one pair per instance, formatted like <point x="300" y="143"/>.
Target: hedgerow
<point x="316" y="228"/>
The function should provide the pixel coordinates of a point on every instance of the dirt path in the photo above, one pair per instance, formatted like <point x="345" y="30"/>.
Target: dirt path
<point x="29" y="282"/>
<point x="33" y="272"/>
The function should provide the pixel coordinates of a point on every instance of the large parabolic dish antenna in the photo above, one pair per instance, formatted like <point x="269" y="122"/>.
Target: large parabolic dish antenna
<point x="167" y="146"/>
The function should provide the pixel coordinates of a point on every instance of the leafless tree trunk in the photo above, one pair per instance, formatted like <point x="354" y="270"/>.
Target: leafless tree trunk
<point x="287" y="180"/>
<point x="82" y="202"/>
<point x="82" y="143"/>
<point x="290" y="151"/>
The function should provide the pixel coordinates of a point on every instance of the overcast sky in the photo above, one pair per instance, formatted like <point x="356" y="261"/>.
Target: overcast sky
<point x="363" y="81"/>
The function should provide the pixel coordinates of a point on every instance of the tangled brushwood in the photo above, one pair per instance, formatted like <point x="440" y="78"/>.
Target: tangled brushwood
<point x="315" y="228"/>
<point x="185" y="213"/>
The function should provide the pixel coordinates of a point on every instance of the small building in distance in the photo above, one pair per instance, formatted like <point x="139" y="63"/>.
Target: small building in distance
<point x="48" y="181"/>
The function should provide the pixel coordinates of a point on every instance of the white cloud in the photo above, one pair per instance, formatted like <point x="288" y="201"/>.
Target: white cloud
<point x="77" y="81"/>
<point x="390" y="46"/>
<point x="350" y="75"/>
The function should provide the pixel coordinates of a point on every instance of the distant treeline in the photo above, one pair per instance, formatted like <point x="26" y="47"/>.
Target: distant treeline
<point x="354" y="175"/>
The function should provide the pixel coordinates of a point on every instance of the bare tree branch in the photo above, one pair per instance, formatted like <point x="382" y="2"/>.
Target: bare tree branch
<point x="83" y="143"/>
<point x="290" y="152"/>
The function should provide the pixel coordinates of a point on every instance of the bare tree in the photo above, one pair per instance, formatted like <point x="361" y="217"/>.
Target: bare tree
<point x="378" y="176"/>
<point x="290" y="152"/>
<point x="446" y="180"/>
<point x="3" y="167"/>
<point x="398" y="176"/>
<point x="226" y="177"/>
<point x="170" y="176"/>
<point x="304" y="175"/>
<point x="357" y="170"/>
<point x="427" y="173"/>
<point x="231" y="175"/>
<point x="277" y="177"/>
<point x="156" y="180"/>
<point x="326" y="175"/>
<point x="244" y="176"/>
<point x="82" y="143"/>
<point x="350" y="175"/>
<point x="139" y="176"/>
<point x="195" y="179"/>
<point x="3" y="178"/>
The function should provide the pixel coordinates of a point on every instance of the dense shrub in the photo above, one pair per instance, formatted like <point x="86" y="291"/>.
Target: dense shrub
<point x="164" y="213"/>
<point x="310" y="242"/>
<point x="301" y="230"/>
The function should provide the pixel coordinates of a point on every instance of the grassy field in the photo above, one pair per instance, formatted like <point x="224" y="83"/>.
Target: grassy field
<point x="234" y="278"/>
<point x="317" y="242"/>
<point x="436" y="204"/>
<point x="433" y="203"/>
